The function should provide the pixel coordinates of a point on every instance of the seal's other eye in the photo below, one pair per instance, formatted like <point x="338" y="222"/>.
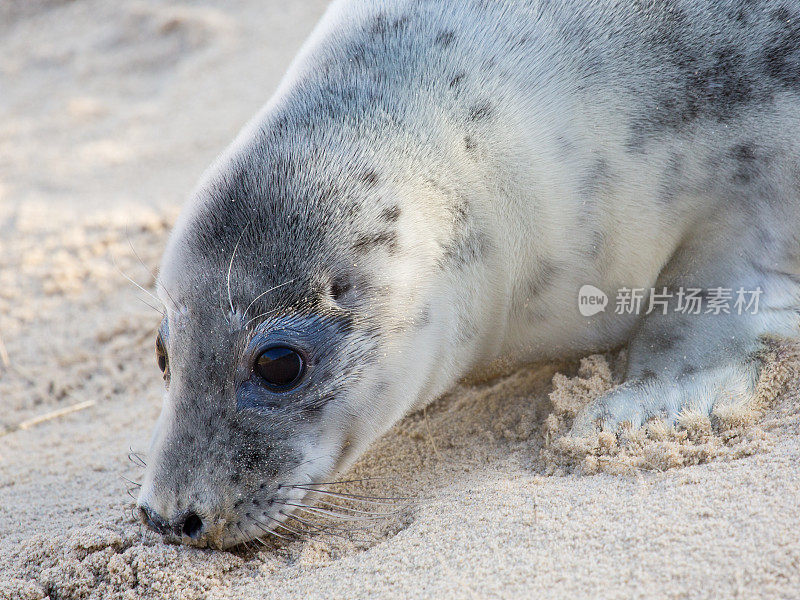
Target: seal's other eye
<point x="280" y="367"/>
<point x="161" y="355"/>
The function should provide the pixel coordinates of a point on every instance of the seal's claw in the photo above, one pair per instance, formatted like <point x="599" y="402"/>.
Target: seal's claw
<point x="618" y="407"/>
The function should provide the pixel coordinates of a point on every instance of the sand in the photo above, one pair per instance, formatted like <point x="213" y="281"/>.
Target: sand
<point x="109" y="112"/>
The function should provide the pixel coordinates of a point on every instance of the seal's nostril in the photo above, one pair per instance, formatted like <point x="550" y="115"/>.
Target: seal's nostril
<point x="192" y="525"/>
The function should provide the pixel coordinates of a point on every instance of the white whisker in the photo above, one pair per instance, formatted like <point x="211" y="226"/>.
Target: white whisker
<point x="230" y="265"/>
<point x="262" y="294"/>
<point x="153" y="296"/>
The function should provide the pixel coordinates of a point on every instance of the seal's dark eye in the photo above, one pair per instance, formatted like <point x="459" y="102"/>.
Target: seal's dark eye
<point x="280" y="367"/>
<point x="161" y="355"/>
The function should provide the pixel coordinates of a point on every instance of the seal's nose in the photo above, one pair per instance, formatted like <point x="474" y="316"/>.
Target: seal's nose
<point x="188" y="524"/>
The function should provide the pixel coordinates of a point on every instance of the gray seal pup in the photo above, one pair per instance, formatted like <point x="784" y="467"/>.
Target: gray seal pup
<point x="433" y="187"/>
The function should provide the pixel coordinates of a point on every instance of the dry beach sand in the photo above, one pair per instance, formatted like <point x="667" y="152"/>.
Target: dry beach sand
<point x="109" y="111"/>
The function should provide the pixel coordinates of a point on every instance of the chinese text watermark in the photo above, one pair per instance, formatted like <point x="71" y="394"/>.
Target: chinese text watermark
<point x="688" y="301"/>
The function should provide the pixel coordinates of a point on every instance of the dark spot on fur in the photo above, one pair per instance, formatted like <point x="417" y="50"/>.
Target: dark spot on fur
<point x="460" y="212"/>
<point x="744" y="156"/>
<point x="480" y="111"/>
<point x="717" y="89"/>
<point x="379" y="25"/>
<point x="597" y="177"/>
<point x="469" y="143"/>
<point x="382" y="25"/>
<point x="648" y="375"/>
<point x="457" y="80"/>
<point x="466" y="249"/>
<point x="713" y="85"/>
<point x="445" y="38"/>
<point x="370" y="178"/>
<point x="400" y="22"/>
<point x="358" y="55"/>
<point x="663" y="341"/>
<point x="391" y="214"/>
<point x="542" y="278"/>
<point x="370" y="241"/>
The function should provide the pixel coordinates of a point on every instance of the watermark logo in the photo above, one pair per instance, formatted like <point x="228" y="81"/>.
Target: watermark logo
<point x="687" y="301"/>
<point x="591" y="300"/>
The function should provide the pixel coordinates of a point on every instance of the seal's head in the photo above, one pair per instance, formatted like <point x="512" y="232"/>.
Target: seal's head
<point x="308" y="309"/>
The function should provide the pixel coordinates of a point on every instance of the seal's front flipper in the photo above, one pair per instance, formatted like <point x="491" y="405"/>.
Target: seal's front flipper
<point x="722" y="390"/>
<point x="701" y="349"/>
